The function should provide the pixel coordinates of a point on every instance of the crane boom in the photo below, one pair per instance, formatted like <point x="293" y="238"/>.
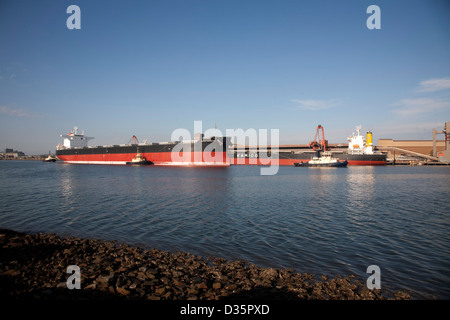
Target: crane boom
<point x="319" y="142"/>
<point x="133" y="140"/>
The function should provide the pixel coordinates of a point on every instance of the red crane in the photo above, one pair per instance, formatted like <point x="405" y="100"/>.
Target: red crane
<point x="133" y="140"/>
<point x="319" y="142"/>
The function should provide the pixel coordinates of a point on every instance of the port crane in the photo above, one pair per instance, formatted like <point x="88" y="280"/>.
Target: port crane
<point x="133" y="140"/>
<point x="319" y="142"/>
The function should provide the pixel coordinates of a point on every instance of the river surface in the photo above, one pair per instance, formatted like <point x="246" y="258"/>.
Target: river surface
<point x="332" y="221"/>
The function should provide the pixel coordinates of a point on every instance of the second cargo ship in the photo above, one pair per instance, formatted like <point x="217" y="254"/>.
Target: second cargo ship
<point x="359" y="151"/>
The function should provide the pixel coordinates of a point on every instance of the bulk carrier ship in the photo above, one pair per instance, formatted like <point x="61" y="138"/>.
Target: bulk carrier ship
<point x="197" y="152"/>
<point x="360" y="151"/>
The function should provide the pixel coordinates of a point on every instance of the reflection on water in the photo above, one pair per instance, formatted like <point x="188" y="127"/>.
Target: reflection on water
<point x="361" y="183"/>
<point x="360" y="192"/>
<point x="66" y="183"/>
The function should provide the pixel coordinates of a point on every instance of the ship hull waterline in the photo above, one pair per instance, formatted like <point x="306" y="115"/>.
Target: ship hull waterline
<point x="157" y="159"/>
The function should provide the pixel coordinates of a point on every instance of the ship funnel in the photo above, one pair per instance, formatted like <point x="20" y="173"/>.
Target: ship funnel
<point x="369" y="138"/>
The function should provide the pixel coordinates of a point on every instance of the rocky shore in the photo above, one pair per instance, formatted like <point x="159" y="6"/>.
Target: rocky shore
<point x="34" y="266"/>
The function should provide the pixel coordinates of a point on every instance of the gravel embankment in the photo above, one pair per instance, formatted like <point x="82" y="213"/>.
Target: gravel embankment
<point x="35" y="266"/>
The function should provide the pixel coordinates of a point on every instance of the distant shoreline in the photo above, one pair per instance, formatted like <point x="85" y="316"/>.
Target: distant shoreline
<point x="32" y="158"/>
<point x="34" y="266"/>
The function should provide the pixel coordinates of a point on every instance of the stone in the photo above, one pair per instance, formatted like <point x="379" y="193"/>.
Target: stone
<point x="133" y="286"/>
<point x="91" y="286"/>
<point x="104" y="279"/>
<point x="141" y="275"/>
<point x="201" y="285"/>
<point x="122" y="291"/>
<point x="231" y="286"/>
<point x="160" y="291"/>
<point x="178" y="283"/>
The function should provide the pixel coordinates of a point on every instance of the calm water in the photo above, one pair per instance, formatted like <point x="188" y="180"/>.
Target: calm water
<point x="323" y="221"/>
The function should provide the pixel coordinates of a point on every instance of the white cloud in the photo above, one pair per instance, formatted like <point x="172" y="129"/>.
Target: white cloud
<point x="14" y="112"/>
<point x="315" y="105"/>
<point x="433" y="85"/>
<point x="411" y="107"/>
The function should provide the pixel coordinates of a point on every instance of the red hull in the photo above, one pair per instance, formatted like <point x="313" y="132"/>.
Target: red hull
<point x="193" y="159"/>
<point x="159" y="158"/>
<point x="366" y="163"/>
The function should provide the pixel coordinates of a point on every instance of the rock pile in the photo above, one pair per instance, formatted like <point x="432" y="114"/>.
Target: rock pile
<point x="35" y="266"/>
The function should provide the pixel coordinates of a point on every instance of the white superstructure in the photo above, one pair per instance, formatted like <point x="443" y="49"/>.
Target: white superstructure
<point x="357" y="144"/>
<point x="325" y="158"/>
<point x="74" y="140"/>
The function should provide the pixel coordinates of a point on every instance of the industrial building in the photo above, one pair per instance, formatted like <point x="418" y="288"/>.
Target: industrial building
<point x="418" y="151"/>
<point x="410" y="150"/>
<point x="11" y="154"/>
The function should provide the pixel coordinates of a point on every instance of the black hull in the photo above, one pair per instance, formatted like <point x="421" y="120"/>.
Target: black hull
<point x="339" y="156"/>
<point x="340" y="164"/>
<point x="218" y="145"/>
<point x="289" y="158"/>
<point x="142" y="163"/>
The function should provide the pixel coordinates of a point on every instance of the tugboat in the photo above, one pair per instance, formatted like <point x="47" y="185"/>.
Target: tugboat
<point x="50" y="158"/>
<point x="326" y="160"/>
<point x="139" y="160"/>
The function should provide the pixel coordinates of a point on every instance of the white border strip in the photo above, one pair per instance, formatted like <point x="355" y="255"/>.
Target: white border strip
<point x="95" y="162"/>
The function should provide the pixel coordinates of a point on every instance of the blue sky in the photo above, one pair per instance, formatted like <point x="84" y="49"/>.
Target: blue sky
<point x="150" y="67"/>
